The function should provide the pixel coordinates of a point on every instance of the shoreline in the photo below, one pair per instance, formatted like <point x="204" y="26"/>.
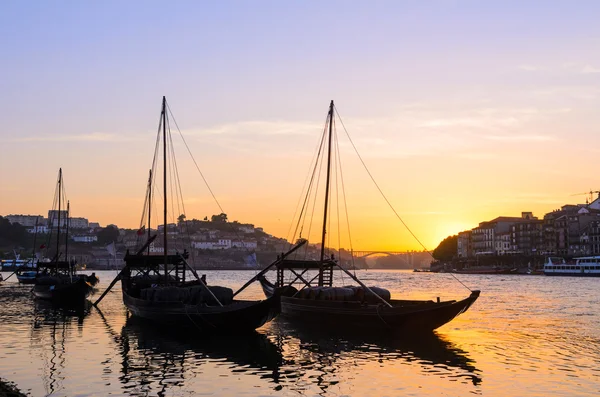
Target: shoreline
<point x="9" y="389"/>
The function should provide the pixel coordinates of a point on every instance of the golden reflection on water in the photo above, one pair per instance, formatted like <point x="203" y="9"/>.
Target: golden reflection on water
<point x="526" y="336"/>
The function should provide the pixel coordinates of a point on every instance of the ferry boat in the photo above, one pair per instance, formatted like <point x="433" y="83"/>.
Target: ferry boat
<point x="587" y="266"/>
<point x="11" y="265"/>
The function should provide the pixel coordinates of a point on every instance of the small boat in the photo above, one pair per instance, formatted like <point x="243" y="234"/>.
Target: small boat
<point x="27" y="277"/>
<point x="343" y="308"/>
<point x="57" y="280"/>
<point x="164" y="288"/>
<point x="586" y="266"/>
<point x="12" y="265"/>
<point x="92" y="279"/>
<point x="487" y="270"/>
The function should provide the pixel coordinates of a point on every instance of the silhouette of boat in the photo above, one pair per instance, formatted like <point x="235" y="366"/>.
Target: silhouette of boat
<point x="344" y="308"/>
<point x="487" y="270"/>
<point x="26" y="277"/>
<point x="57" y="280"/>
<point x="158" y="288"/>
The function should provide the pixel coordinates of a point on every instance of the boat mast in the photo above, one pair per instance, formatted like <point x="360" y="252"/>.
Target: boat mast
<point x="164" y="122"/>
<point x="67" y="238"/>
<point x="326" y="194"/>
<point x="58" y="227"/>
<point x="34" y="240"/>
<point x="149" y="206"/>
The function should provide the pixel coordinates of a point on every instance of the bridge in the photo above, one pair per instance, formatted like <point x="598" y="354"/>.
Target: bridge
<point x="367" y="253"/>
<point x="410" y="259"/>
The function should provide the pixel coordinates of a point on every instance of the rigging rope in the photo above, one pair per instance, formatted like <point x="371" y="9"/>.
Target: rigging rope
<point x="386" y="199"/>
<point x="345" y="205"/>
<point x="316" y="153"/>
<point x="234" y="230"/>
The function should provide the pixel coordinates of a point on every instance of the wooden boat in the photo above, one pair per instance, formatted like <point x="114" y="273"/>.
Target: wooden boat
<point x="487" y="270"/>
<point x="26" y="277"/>
<point x="57" y="280"/>
<point x="159" y="288"/>
<point x="343" y="308"/>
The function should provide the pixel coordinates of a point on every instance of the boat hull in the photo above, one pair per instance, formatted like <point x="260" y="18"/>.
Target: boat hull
<point x="572" y="274"/>
<point x="27" y="277"/>
<point x="404" y="316"/>
<point x="74" y="293"/>
<point x="239" y="316"/>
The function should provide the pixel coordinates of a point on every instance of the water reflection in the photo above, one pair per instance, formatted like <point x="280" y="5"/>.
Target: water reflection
<point x="50" y="331"/>
<point x="154" y="360"/>
<point x="313" y="356"/>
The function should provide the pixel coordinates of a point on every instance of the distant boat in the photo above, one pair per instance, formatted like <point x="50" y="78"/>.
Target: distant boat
<point x="355" y="307"/>
<point x="586" y="266"/>
<point x="165" y="289"/>
<point x="487" y="270"/>
<point x="12" y="265"/>
<point x="27" y="277"/>
<point x="57" y="280"/>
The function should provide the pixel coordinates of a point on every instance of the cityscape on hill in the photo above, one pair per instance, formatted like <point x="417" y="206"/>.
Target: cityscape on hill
<point x="571" y="231"/>
<point x="215" y="243"/>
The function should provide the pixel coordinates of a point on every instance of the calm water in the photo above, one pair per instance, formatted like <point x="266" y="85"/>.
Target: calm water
<point x="525" y="336"/>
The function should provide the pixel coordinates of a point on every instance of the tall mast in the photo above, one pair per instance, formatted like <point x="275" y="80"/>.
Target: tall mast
<point x="326" y="193"/>
<point x="164" y="123"/>
<point x="149" y="206"/>
<point x="67" y="236"/>
<point x="58" y="227"/>
<point x="34" y="240"/>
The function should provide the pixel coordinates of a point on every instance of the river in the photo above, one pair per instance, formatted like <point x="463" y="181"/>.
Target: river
<point x="525" y="336"/>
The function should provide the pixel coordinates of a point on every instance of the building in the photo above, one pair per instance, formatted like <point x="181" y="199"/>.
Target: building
<point x="53" y="216"/>
<point x="567" y="231"/>
<point x="494" y="237"/>
<point x="40" y="229"/>
<point x="220" y="244"/>
<point x="247" y="229"/>
<point x="245" y="244"/>
<point x="464" y="244"/>
<point x="27" y="220"/>
<point x="79" y="223"/>
<point x="85" y="239"/>
<point x="527" y="237"/>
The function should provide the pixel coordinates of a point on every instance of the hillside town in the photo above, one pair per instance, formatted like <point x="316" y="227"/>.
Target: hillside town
<point x="214" y="243"/>
<point x="573" y="230"/>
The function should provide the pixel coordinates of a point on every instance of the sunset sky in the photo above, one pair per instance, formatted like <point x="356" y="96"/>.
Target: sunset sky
<point x="462" y="110"/>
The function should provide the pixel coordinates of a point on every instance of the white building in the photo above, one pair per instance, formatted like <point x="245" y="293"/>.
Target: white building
<point x="221" y="244"/>
<point x="155" y="249"/>
<point x="78" y="223"/>
<point x="248" y="244"/>
<point x="247" y="229"/>
<point x="85" y="239"/>
<point x="27" y="220"/>
<point x="41" y="229"/>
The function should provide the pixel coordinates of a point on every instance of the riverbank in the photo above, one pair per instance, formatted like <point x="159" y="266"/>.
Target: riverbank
<point x="7" y="389"/>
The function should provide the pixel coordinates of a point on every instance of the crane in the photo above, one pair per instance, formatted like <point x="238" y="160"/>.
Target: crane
<point x="591" y="195"/>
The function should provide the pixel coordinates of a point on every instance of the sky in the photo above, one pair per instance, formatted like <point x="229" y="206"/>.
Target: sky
<point x="462" y="110"/>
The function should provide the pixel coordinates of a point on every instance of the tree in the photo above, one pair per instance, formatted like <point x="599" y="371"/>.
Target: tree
<point x="180" y="219"/>
<point x="108" y="234"/>
<point x="446" y="251"/>
<point x="221" y="218"/>
<point x="13" y="235"/>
